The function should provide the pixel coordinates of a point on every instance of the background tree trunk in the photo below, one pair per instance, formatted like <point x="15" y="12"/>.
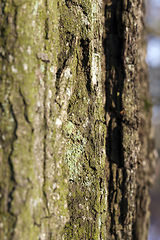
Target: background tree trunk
<point x="69" y="108"/>
<point x="145" y="174"/>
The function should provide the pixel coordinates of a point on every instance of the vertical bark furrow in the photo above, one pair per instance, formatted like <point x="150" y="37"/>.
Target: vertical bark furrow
<point x="27" y="93"/>
<point x="64" y="173"/>
<point x="52" y="55"/>
<point x="121" y="47"/>
<point x="8" y="120"/>
<point x="85" y="149"/>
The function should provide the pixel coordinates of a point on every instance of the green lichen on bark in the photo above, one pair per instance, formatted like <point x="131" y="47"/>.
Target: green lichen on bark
<point x="84" y="130"/>
<point x="53" y="138"/>
<point x="56" y="182"/>
<point x="32" y="182"/>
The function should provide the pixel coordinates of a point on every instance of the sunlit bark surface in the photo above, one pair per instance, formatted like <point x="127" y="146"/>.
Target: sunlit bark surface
<point x="70" y="108"/>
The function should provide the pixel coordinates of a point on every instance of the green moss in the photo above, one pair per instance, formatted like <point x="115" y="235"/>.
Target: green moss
<point x="55" y="121"/>
<point x="76" y="19"/>
<point x="147" y="105"/>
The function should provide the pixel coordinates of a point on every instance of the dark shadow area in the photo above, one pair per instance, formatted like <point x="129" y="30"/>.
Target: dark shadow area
<point x="113" y="45"/>
<point x="85" y="62"/>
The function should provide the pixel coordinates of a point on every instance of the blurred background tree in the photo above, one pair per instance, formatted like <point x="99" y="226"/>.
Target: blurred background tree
<point x="153" y="60"/>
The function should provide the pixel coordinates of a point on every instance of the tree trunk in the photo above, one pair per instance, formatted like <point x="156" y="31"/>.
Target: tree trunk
<point x="145" y="173"/>
<point x="69" y="109"/>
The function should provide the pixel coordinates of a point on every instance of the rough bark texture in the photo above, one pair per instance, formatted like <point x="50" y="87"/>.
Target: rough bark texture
<point x="121" y="44"/>
<point x="69" y="126"/>
<point x="145" y="174"/>
<point x="130" y="157"/>
<point x="52" y="121"/>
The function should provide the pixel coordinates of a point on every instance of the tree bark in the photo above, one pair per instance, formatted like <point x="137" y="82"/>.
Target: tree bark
<point x="130" y="144"/>
<point x="145" y="174"/>
<point x="121" y="44"/>
<point x="69" y="110"/>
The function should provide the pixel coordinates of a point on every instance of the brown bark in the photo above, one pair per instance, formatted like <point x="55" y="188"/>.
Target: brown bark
<point x="145" y="174"/>
<point x="128" y="125"/>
